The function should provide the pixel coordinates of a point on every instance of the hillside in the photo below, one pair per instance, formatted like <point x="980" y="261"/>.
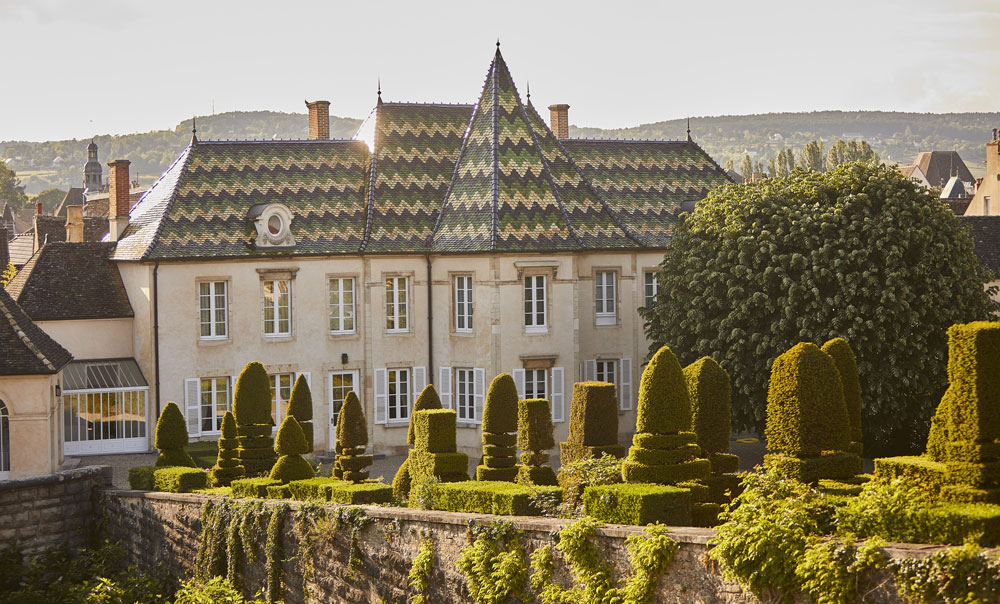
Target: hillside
<point x="895" y="136"/>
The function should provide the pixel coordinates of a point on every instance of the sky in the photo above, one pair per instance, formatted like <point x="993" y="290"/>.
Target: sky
<point x="77" y="68"/>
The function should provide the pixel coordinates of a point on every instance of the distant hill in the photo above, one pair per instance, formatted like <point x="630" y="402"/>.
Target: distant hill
<point x="895" y="136"/>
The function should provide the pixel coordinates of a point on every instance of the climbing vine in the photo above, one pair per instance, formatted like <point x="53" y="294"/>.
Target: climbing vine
<point x="420" y="572"/>
<point x="275" y="552"/>
<point x="957" y="575"/>
<point x="494" y="563"/>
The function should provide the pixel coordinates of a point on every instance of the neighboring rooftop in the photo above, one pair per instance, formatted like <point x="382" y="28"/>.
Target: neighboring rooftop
<point x="71" y="281"/>
<point x="939" y="166"/>
<point x="27" y="350"/>
<point x="985" y="231"/>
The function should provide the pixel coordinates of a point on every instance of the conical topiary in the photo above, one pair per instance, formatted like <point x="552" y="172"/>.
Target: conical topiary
<point x="252" y="408"/>
<point x="711" y="398"/>
<point x="227" y="467"/>
<point x="534" y="438"/>
<point x="664" y="450"/>
<point x="847" y="366"/>
<point x="351" y="462"/>
<point x="499" y="421"/>
<point x="171" y="438"/>
<point x="300" y="406"/>
<point x="291" y="445"/>
<point x="593" y="423"/>
<point x="806" y="420"/>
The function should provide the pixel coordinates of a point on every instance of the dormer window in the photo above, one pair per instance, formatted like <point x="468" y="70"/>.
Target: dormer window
<point x="273" y="222"/>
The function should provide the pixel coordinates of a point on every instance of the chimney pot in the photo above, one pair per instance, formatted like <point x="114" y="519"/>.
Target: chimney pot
<point x="119" y="202"/>
<point x="319" y="120"/>
<point x="38" y="208"/>
<point x="559" y="120"/>
<point x="74" y="224"/>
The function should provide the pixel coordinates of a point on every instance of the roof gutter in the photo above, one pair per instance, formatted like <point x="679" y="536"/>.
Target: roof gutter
<point x="156" y="335"/>
<point x="430" y="325"/>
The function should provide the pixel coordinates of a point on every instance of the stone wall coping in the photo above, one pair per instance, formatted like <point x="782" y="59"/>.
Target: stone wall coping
<point x="103" y="472"/>
<point x="682" y="534"/>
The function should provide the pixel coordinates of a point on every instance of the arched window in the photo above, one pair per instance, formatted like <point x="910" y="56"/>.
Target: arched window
<point x="4" y="441"/>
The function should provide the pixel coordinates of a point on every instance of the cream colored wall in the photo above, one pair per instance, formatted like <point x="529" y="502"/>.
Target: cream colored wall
<point x="35" y="424"/>
<point x="92" y="339"/>
<point x="990" y="186"/>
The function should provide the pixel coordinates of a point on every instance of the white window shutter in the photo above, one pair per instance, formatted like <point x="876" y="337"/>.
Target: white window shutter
<point x="589" y="370"/>
<point x="556" y="397"/>
<point x="419" y="381"/>
<point x="192" y="406"/>
<point x="444" y="386"/>
<point x="518" y="375"/>
<point x="625" y="385"/>
<point x="479" y="384"/>
<point x="381" y="396"/>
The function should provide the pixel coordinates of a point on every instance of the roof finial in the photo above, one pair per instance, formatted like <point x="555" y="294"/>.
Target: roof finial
<point x="689" y="130"/>
<point x="498" y="42"/>
<point x="194" y="129"/>
<point x="529" y="91"/>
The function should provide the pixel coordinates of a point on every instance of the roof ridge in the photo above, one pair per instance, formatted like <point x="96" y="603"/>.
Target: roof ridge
<point x="626" y="140"/>
<point x="495" y="148"/>
<point x="370" y="205"/>
<point x="186" y="155"/>
<point x="274" y="141"/>
<point x="23" y="336"/>
<point x="426" y="104"/>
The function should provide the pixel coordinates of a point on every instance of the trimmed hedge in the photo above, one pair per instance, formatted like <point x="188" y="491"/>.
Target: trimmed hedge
<point x="536" y="475"/>
<point x="175" y="457"/>
<point x="665" y="475"/>
<point x="663" y="441"/>
<point x="638" y="504"/>
<point x="705" y="514"/>
<point x="252" y="409"/>
<point x="253" y="487"/>
<point x="279" y="492"/>
<point x="434" y="453"/>
<point x="427" y="399"/>
<point x="253" y="433"/>
<point x="179" y="479"/>
<point x="227" y="466"/>
<point x="351" y="463"/>
<point x="291" y="467"/>
<point x="309" y="488"/>
<point x="724" y="463"/>
<point x="300" y="406"/>
<point x="171" y="438"/>
<point x="847" y="367"/>
<point x="401" y="481"/>
<point x="664" y="404"/>
<point x="723" y="487"/>
<point x="973" y="379"/>
<point x="439" y="464"/>
<point x="486" y="497"/>
<point x="499" y="439"/>
<point x="291" y="440"/>
<point x="356" y="493"/>
<point x="806" y="414"/>
<point x="593" y="420"/>
<point x="711" y="397"/>
<point x="534" y="425"/>
<point x="920" y="471"/>
<point x="500" y="411"/>
<point x="837" y="466"/>
<point x="140" y="478"/>
<point x="434" y="430"/>
<point x="569" y="453"/>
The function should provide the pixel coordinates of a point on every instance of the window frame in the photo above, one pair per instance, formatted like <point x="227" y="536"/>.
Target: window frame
<point x="529" y="291"/>
<point x="601" y="367"/>
<point x="392" y="301"/>
<point x="275" y="306"/>
<point x="469" y="403"/>
<point x="334" y="410"/>
<point x="393" y="402"/>
<point x="534" y="377"/>
<point x="648" y="284"/>
<point x="212" y="309"/>
<point x="215" y="419"/>
<point x="461" y="306"/>
<point x="277" y="411"/>
<point x="340" y="310"/>
<point x="604" y="298"/>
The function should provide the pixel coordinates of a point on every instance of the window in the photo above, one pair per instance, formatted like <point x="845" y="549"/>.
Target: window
<point x="340" y="384"/>
<point x="534" y="303"/>
<point x="399" y="394"/>
<point x="463" y="304"/>
<point x="465" y="395"/>
<point x="214" y="403"/>
<point x="212" y="304"/>
<point x="396" y="304"/>
<point x="342" y="305"/>
<point x="652" y="287"/>
<point x="277" y="308"/>
<point x="607" y="371"/>
<point x="535" y="382"/>
<point x="104" y="408"/>
<point x="281" y="392"/>
<point x="986" y="205"/>
<point x="604" y="297"/>
<point x="616" y="371"/>
<point x="4" y="441"/>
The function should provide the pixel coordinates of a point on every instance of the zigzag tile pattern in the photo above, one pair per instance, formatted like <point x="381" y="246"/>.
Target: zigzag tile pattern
<point x="416" y="147"/>
<point x="644" y="182"/>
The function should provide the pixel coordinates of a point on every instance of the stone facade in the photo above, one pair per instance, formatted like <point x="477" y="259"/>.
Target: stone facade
<point x="45" y="512"/>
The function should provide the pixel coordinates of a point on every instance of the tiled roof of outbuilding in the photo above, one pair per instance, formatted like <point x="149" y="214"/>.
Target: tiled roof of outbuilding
<point x="985" y="231"/>
<point x="27" y="350"/>
<point x="67" y="281"/>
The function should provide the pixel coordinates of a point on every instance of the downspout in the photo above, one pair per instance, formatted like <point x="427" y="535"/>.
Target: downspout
<point x="156" y="336"/>
<point x="430" y="325"/>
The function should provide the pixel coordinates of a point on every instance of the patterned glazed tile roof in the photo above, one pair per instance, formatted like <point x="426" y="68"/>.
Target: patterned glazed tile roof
<point x="439" y="178"/>
<point x="71" y="281"/>
<point x="27" y="350"/>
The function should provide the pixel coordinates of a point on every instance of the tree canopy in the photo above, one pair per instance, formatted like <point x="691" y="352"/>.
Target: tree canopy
<point x="860" y="253"/>
<point x="11" y="190"/>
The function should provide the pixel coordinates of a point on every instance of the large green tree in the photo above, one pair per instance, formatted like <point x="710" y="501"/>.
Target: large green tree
<point x="11" y="190"/>
<point x="842" y="152"/>
<point x="812" y="156"/>
<point x="859" y="253"/>
<point x="49" y="198"/>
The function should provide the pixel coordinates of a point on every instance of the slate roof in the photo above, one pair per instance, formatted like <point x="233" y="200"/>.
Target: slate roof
<point x="938" y="166"/>
<point x="437" y="178"/>
<point x="73" y="197"/>
<point x="21" y="248"/>
<point x="66" y="281"/>
<point x="27" y="350"/>
<point x="52" y="229"/>
<point x="985" y="232"/>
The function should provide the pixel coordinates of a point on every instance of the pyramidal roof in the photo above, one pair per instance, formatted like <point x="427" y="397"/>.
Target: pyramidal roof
<point x="514" y="188"/>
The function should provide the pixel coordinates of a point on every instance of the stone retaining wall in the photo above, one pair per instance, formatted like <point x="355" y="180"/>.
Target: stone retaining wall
<point x="44" y="512"/>
<point x="163" y="528"/>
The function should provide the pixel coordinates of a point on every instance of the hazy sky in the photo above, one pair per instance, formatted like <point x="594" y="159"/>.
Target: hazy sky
<point x="74" y="68"/>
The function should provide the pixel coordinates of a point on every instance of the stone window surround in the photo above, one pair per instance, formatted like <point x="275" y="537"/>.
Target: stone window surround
<point x="279" y="274"/>
<point x="357" y="306"/>
<point x="409" y="276"/>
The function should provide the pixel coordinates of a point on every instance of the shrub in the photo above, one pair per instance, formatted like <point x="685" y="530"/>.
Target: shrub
<point x="351" y="462"/>
<point x="428" y="399"/>
<point x="171" y="438"/>
<point x="847" y="367"/>
<point x="664" y="405"/>
<point x="227" y="467"/>
<point x="179" y="479"/>
<point x="252" y="409"/>
<point x="638" y="504"/>
<point x="487" y="497"/>
<point x="576" y="476"/>
<point x="534" y="425"/>
<point x="805" y="404"/>
<point x="290" y="439"/>
<point x="253" y="487"/>
<point x="593" y="423"/>
<point x="140" y="478"/>
<point x="349" y="493"/>
<point x="500" y="412"/>
<point x="710" y="393"/>
<point x="837" y="466"/>
<point x="300" y="406"/>
<point x="309" y="488"/>
<point x="401" y="481"/>
<point x="435" y="430"/>
<point x="434" y="457"/>
<point x="291" y="444"/>
<point x="280" y="491"/>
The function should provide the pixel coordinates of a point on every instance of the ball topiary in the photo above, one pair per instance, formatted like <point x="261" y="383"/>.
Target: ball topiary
<point x="710" y="393"/>
<point x="500" y="413"/>
<point x="291" y="467"/>
<point x="351" y="462"/>
<point x="847" y="367"/>
<point x="171" y="438"/>
<point x="664" y="405"/>
<point x="252" y="396"/>
<point x="291" y="444"/>
<point x="428" y="399"/>
<point x="300" y="406"/>
<point x="806" y="414"/>
<point x="227" y="466"/>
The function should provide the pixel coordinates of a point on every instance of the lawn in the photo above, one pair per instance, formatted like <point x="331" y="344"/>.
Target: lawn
<point x="204" y="452"/>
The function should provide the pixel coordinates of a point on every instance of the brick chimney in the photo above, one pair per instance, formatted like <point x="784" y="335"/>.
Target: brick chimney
<point x="319" y="120"/>
<point x="74" y="224"/>
<point x="118" y="198"/>
<point x="559" y="120"/>
<point x="4" y="249"/>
